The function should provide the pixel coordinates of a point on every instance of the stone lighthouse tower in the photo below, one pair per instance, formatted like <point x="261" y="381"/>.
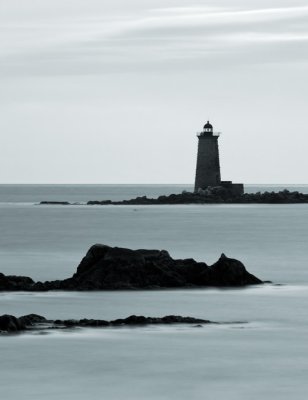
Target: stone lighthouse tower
<point x="208" y="168"/>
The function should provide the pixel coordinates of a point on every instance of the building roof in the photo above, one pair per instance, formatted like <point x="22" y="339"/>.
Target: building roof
<point x="208" y="125"/>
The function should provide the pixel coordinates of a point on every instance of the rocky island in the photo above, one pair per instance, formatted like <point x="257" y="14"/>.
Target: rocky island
<point x="112" y="268"/>
<point x="215" y="195"/>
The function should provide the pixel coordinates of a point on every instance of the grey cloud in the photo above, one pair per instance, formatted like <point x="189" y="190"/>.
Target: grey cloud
<point x="193" y="36"/>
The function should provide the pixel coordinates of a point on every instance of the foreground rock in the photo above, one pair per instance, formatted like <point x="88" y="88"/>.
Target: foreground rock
<point x="110" y="268"/>
<point x="11" y="324"/>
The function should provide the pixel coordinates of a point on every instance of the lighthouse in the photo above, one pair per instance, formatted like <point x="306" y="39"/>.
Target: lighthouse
<point x="208" y="168"/>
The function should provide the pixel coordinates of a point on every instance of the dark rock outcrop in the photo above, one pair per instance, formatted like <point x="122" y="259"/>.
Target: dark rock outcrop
<point x="57" y="203"/>
<point x="132" y="320"/>
<point x="32" y="320"/>
<point x="229" y="272"/>
<point x="110" y="268"/>
<point x="106" y="267"/>
<point x="11" y="324"/>
<point x="12" y="282"/>
<point x="214" y="195"/>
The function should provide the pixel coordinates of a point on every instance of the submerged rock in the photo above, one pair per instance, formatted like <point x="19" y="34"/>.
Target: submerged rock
<point x="111" y="268"/>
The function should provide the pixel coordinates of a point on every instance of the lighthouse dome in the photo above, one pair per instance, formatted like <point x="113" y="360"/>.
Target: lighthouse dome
<point x="208" y="126"/>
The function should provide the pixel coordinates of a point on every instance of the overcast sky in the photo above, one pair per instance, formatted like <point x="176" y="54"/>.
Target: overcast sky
<point x="97" y="91"/>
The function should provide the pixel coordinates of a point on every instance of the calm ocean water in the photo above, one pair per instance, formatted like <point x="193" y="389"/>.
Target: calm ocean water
<point x="83" y="193"/>
<point x="260" y="353"/>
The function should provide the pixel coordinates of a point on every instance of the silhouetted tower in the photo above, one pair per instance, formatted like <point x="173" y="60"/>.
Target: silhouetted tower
<point x="208" y="168"/>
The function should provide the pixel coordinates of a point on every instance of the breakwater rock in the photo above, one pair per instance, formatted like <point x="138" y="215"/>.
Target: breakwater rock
<point x="12" y="324"/>
<point x="111" y="268"/>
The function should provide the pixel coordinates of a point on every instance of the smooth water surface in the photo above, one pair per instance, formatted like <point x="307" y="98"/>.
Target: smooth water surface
<point x="258" y="351"/>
